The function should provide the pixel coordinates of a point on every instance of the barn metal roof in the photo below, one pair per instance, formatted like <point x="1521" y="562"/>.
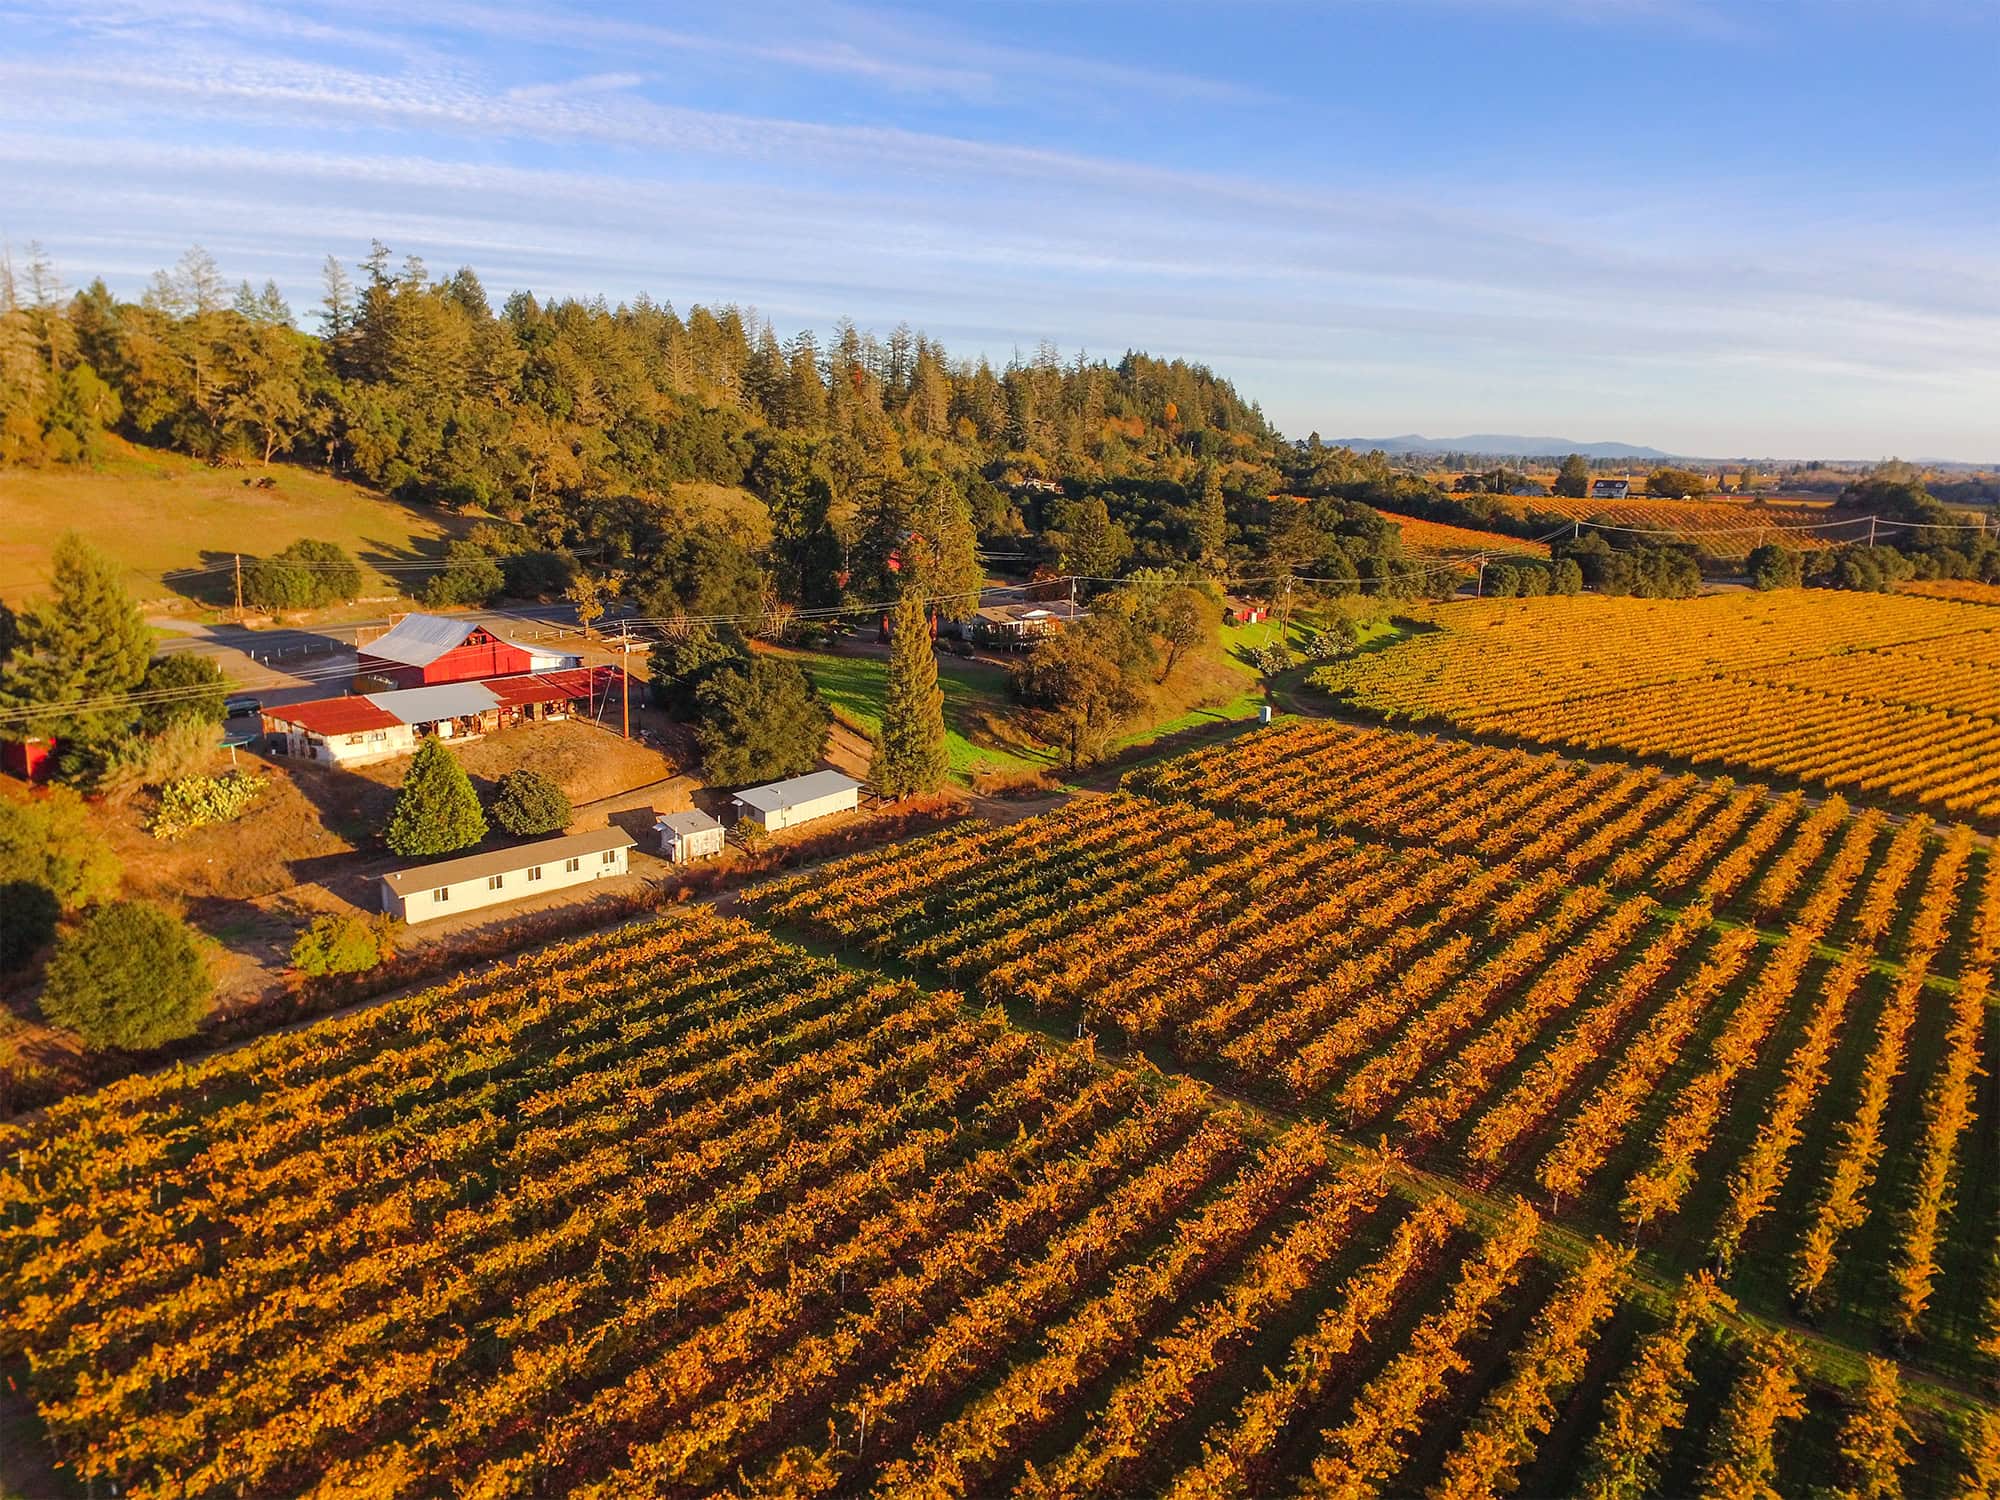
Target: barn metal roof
<point x="780" y="795"/>
<point x="419" y="640"/>
<point x="446" y="700"/>
<point x="507" y="861"/>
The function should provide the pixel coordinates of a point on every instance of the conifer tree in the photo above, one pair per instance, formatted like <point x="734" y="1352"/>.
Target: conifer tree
<point x="910" y="754"/>
<point x="1211" y="521"/>
<point x="85" y="641"/>
<point x="437" y="810"/>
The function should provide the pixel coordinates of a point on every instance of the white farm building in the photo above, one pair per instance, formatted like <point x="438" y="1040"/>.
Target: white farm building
<point x="460" y="885"/>
<point x="786" y="804"/>
<point x="688" y="836"/>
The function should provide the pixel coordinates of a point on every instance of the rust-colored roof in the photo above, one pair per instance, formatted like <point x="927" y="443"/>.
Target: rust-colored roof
<point x="549" y="687"/>
<point x="327" y="716"/>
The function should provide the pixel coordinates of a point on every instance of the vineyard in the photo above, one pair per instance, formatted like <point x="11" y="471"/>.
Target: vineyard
<point x="1436" y="539"/>
<point x="1894" y="699"/>
<point x="1697" y="1015"/>
<point x="1965" y="590"/>
<point x="1722" y="528"/>
<point x="679" y="1210"/>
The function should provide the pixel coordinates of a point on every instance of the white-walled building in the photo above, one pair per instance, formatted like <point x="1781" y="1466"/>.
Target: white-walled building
<point x="688" y="836"/>
<point x="786" y="804"/>
<point x="478" y="880"/>
<point x="364" y="727"/>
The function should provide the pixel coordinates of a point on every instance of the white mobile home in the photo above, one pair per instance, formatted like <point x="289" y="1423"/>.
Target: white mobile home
<point x="786" y="804"/>
<point x="688" y="836"/>
<point x="459" y="885"/>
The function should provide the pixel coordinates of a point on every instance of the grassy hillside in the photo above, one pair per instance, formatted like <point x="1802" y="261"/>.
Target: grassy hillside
<point x="158" y="512"/>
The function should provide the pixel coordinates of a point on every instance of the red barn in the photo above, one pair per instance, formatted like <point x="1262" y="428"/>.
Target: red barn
<point x="424" y="650"/>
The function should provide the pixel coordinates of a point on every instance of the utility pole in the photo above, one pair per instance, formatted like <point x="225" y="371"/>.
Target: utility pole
<point x="625" y="677"/>
<point x="1575" y="529"/>
<point x="1871" y="531"/>
<point x="1479" y="588"/>
<point x="239" y="588"/>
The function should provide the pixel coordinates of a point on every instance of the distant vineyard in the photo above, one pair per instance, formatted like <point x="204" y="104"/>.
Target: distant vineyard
<point x="1894" y="697"/>
<point x="1965" y="590"/>
<point x="677" y="1210"/>
<point x="1724" y="528"/>
<point x="1436" y="539"/>
<point x="1608" y="1047"/>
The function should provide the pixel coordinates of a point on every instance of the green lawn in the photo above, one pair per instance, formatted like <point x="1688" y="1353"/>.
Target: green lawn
<point x="857" y="685"/>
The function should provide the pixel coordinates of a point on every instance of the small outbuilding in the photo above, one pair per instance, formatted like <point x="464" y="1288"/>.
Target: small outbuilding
<point x="688" y="836"/>
<point x="786" y="804"/>
<point x="477" y="880"/>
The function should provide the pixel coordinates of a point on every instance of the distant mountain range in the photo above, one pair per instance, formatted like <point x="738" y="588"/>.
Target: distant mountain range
<point x="1498" y="445"/>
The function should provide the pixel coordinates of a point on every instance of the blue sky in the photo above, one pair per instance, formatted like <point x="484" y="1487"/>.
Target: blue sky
<point x="1717" y="226"/>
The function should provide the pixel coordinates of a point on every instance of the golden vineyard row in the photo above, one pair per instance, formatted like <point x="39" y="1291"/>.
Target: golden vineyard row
<point x="679" y="1210"/>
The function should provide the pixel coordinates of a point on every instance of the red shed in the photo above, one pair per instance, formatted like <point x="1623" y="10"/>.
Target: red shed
<point x="28" y="759"/>
<point x="423" y="650"/>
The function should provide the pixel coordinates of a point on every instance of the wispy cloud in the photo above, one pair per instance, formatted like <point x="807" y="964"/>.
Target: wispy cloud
<point x="853" y="159"/>
<point x="570" y="88"/>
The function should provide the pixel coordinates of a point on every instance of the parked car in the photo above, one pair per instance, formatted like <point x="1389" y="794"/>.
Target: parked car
<point x="242" y="708"/>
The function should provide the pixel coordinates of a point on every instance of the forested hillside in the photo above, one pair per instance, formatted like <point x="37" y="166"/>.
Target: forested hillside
<point x="879" y="458"/>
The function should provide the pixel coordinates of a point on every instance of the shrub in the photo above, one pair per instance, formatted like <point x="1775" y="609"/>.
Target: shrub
<point x="527" y="802"/>
<point x="1271" y="659"/>
<point x="129" y="975"/>
<point x="30" y="921"/>
<point x="197" y="801"/>
<point x="471" y="576"/>
<point x="346" y="943"/>
<point x="1774" y="567"/>
<point x="437" y="810"/>
<point x="47" y="841"/>
<point x="305" y="575"/>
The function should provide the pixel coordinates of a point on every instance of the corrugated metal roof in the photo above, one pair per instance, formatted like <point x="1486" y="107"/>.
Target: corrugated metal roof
<point x="551" y="687"/>
<point x="507" y="861"/>
<point x="330" y="716"/>
<point x="808" y="788"/>
<point x="696" y="821"/>
<point x="419" y="640"/>
<point x="424" y="705"/>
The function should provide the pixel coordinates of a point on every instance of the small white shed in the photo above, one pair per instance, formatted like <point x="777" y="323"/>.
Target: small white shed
<point x="786" y="804"/>
<point x="688" y="836"/>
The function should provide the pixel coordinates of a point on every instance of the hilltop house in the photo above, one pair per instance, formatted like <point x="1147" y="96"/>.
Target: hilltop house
<point x="1021" y="624"/>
